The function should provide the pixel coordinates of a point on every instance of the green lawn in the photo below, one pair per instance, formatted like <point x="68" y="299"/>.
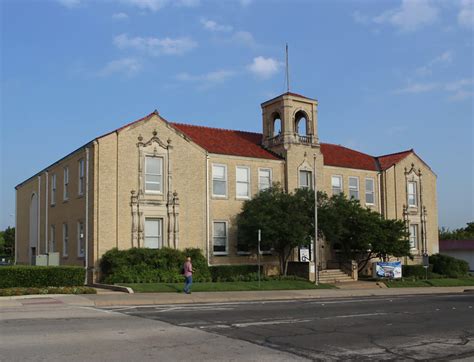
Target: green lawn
<point x="447" y="282"/>
<point x="226" y="286"/>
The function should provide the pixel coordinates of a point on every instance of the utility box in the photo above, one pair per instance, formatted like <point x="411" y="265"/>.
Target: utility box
<point x="41" y="260"/>
<point x="53" y="259"/>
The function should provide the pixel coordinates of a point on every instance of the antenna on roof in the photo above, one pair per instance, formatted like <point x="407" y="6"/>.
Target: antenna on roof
<point x="287" y="71"/>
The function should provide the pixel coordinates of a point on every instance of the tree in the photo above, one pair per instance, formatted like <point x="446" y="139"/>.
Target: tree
<point x="466" y="233"/>
<point x="282" y="218"/>
<point x="7" y="242"/>
<point x="358" y="233"/>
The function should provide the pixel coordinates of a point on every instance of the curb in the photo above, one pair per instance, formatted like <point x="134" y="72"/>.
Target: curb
<point x="117" y="288"/>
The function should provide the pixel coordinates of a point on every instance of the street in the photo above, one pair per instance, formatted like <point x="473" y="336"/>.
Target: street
<point x="421" y="327"/>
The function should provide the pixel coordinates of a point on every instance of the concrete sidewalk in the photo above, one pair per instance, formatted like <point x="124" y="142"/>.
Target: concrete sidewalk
<point x="119" y="299"/>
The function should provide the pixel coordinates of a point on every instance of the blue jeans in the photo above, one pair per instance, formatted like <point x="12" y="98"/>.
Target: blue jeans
<point x="188" y="281"/>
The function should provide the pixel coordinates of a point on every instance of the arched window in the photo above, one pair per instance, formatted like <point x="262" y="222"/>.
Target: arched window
<point x="276" y="124"/>
<point x="301" y="123"/>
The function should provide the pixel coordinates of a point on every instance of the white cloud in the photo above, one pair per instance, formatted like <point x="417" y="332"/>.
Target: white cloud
<point x="214" y="26"/>
<point x="410" y="16"/>
<point x="126" y="66"/>
<point x="155" y="5"/>
<point x="207" y="80"/>
<point x="360" y="18"/>
<point x="69" y="3"/>
<point x="245" y="3"/>
<point x="415" y="88"/>
<point x="155" y="46"/>
<point x="458" y="90"/>
<point x="264" y="67"/>
<point x="119" y="16"/>
<point x="442" y="59"/>
<point x="466" y="14"/>
<point x="244" y="38"/>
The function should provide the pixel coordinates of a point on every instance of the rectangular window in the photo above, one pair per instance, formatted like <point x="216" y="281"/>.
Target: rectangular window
<point x="242" y="177"/>
<point x="336" y="183"/>
<point x="80" y="239"/>
<point x="219" y="180"/>
<point x="412" y="198"/>
<point x="306" y="181"/>
<point x="65" y="240"/>
<point x="369" y="191"/>
<point x="220" y="238"/>
<point x="264" y="178"/>
<point x="53" y="189"/>
<point x="153" y="233"/>
<point x="354" y="187"/>
<point x="153" y="174"/>
<point x="66" y="183"/>
<point x="52" y="239"/>
<point x="80" y="185"/>
<point x="414" y="236"/>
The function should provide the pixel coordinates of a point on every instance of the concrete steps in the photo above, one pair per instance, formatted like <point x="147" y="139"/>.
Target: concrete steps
<point x="331" y="276"/>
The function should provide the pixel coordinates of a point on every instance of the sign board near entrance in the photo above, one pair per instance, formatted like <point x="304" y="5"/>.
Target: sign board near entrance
<point x="304" y="254"/>
<point x="390" y="270"/>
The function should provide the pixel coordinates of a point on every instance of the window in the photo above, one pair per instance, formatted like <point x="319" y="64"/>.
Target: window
<point x="65" y="240"/>
<point x="306" y="180"/>
<point x="53" y="189"/>
<point x="354" y="187"/>
<point x="153" y="174"/>
<point x="52" y="239"/>
<point x="220" y="238"/>
<point x="80" y="239"/>
<point x="242" y="177"/>
<point x="219" y="180"/>
<point x="412" y="198"/>
<point x="153" y="233"/>
<point x="80" y="186"/>
<point x="264" y="178"/>
<point x="336" y="182"/>
<point x="414" y="236"/>
<point x="369" y="191"/>
<point x="66" y="183"/>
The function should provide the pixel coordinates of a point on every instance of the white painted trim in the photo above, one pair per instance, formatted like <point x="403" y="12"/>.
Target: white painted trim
<point x="226" y="181"/>
<point x="221" y="253"/>
<point x="249" y="183"/>
<point x="65" y="226"/>
<point x="159" y="192"/>
<point x="66" y="185"/>
<point x="258" y="176"/>
<point x="365" y="189"/>
<point x="340" y="177"/>
<point x="349" y="186"/>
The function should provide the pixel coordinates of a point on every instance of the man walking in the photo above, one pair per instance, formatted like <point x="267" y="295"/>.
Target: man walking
<point x="188" y="275"/>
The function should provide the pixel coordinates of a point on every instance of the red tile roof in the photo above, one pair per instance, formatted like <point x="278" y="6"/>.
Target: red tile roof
<point x="387" y="161"/>
<point x="340" y="156"/>
<point x="446" y="245"/>
<point x="227" y="142"/>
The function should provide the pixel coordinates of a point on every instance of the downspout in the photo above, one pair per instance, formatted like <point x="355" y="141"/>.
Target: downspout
<point x="86" y="247"/>
<point x="379" y="185"/>
<point x="39" y="218"/>
<point x="207" y="210"/>
<point x="395" y="189"/>
<point x="423" y="243"/>
<point x="316" y="246"/>
<point x="46" y="214"/>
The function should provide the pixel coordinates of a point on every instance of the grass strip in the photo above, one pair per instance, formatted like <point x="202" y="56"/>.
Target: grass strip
<point x="8" y="292"/>
<point x="226" y="286"/>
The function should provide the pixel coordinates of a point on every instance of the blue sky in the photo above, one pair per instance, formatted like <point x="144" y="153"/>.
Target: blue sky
<point x="389" y="76"/>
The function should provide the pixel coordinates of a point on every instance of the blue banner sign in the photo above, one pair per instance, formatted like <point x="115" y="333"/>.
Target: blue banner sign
<point x="390" y="270"/>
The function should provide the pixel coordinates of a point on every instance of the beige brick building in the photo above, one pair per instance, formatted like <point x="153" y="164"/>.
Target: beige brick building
<point x="154" y="183"/>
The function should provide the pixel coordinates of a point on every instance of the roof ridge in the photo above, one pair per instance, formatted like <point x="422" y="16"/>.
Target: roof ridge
<point x="397" y="153"/>
<point x="215" y="128"/>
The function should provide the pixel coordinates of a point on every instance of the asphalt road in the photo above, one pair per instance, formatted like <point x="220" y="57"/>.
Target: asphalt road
<point x="431" y="327"/>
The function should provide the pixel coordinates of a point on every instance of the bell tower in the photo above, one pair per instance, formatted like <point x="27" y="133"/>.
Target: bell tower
<point x="290" y="119"/>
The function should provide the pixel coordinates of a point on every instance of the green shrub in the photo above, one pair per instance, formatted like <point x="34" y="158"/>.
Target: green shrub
<point x="143" y="265"/>
<point x="41" y="276"/>
<point x="46" y="290"/>
<point x="234" y="273"/>
<point x="449" y="266"/>
<point x="415" y="271"/>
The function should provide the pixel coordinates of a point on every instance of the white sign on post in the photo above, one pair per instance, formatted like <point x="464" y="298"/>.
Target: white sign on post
<point x="304" y="254"/>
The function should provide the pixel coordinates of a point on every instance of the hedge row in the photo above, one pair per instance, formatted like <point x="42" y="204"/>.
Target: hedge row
<point x="41" y="276"/>
<point x="143" y="265"/>
<point x="234" y="273"/>
<point x="46" y="290"/>
<point x="441" y="266"/>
